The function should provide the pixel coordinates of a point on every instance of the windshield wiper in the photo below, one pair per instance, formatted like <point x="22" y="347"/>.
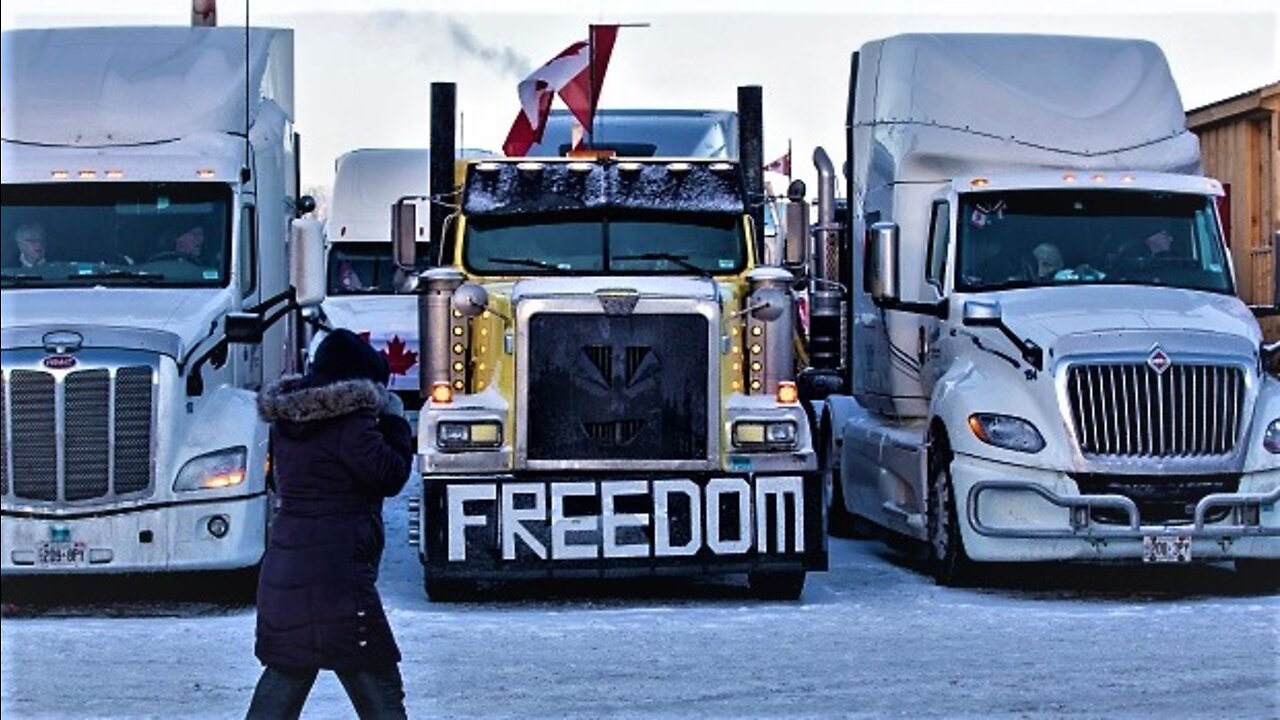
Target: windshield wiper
<point x="524" y="262"/>
<point x="20" y="278"/>
<point x="118" y="275"/>
<point x="681" y="260"/>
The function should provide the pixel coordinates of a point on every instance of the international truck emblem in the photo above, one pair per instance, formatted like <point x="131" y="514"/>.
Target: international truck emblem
<point x="1159" y="360"/>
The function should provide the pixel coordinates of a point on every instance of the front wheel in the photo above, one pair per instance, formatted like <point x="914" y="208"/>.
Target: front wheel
<point x="949" y="563"/>
<point x="840" y="522"/>
<point x="777" y="585"/>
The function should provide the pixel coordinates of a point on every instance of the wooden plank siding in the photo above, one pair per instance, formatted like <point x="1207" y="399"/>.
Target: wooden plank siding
<point x="1240" y="145"/>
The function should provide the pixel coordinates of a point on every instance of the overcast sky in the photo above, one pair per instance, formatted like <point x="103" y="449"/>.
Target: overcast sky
<point x="363" y="69"/>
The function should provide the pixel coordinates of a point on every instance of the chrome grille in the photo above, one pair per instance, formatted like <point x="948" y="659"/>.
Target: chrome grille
<point x="133" y="429"/>
<point x="1132" y="410"/>
<point x="87" y="395"/>
<point x="86" y="436"/>
<point x="33" y="420"/>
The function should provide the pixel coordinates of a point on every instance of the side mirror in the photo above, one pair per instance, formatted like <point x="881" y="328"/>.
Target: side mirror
<point x="796" y="247"/>
<point x="882" y="265"/>
<point x="306" y="266"/>
<point x="243" y="328"/>
<point x="305" y="205"/>
<point x="768" y="304"/>
<point x="982" y="313"/>
<point x="404" y="233"/>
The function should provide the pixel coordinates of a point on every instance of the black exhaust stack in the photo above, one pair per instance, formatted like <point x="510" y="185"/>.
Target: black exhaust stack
<point x="444" y="97"/>
<point x="751" y="156"/>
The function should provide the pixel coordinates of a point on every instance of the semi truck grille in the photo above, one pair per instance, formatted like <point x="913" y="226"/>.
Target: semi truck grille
<point x="611" y="387"/>
<point x="1133" y="410"/>
<point x="104" y="447"/>
<point x="1169" y="499"/>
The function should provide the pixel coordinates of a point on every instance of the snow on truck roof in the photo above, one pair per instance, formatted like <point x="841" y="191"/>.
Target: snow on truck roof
<point x="132" y="85"/>
<point x="1081" y="95"/>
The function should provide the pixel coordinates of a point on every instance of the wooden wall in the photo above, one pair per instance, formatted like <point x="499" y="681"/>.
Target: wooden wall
<point x="1240" y="144"/>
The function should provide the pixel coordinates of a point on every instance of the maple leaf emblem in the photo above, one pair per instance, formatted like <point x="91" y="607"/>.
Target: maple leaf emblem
<point x="399" y="360"/>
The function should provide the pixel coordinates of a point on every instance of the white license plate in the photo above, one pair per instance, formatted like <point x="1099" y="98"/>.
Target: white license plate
<point x="51" y="554"/>
<point x="1166" y="548"/>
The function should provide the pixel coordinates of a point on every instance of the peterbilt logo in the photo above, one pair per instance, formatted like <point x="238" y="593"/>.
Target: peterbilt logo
<point x="1159" y="360"/>
<point x="59" y="362"/>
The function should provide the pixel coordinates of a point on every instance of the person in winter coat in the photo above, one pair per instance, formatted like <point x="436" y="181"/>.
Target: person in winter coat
<point x="340" y="445"/>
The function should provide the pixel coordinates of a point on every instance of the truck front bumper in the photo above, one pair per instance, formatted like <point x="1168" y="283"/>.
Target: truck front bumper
<point x="167" y="538"/>
<point x="1013" y="514"/>
<point x="544" y="525"/>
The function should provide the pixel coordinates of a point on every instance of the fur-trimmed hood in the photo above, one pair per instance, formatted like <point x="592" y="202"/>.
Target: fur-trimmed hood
<point x="290" y="399"/>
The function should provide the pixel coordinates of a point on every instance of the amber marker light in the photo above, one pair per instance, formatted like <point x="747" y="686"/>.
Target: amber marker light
<point x="441" y="394"/>
<point x="787" y="393"/>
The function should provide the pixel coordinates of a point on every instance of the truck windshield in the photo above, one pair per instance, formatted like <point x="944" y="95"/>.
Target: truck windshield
<point x="363" y="268"/>
<point x="125" y="234"/>
<point x="1041" y="238"/>
<point x="644" y="244"/>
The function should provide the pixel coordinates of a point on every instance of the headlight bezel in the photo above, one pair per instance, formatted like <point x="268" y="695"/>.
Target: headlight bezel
<point x="743" y="434"/>
<point x="467" y="441"/>
<point x="1007" y="432"/>
<point x="217" y="470"/>
<point x="1271" y="438"/>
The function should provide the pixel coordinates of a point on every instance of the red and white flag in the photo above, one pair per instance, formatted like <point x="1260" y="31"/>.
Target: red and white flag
<point x="577" y="74"/>
<point x="781" y="165"/>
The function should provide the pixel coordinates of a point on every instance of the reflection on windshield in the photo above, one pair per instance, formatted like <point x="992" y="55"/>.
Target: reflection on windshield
<point x="1038" y="238"/>
<point x="665" y="244"/>
<point x="363" y="268"/>
<point x="136" y="234"/>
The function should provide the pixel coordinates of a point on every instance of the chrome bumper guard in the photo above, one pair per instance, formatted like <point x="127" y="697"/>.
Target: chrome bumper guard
<point x="1246" y="515"/>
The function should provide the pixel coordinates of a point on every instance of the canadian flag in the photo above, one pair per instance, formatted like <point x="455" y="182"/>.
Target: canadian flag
<point x="577" y="74"/>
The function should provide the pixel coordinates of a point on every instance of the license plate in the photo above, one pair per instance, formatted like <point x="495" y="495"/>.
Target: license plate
<point x="52" y="554"/>
<point x="1166" y="548"/>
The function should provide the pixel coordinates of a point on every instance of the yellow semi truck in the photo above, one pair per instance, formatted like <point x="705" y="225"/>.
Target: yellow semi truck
<point x="609" y="380"/>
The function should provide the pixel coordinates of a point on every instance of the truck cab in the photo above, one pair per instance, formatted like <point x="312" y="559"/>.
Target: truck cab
<point x="131" y="436"/>
<point x="610" y="382"/>
<point x="1048" y="361"/>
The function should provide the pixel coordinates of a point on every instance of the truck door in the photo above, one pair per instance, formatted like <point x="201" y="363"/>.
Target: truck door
<point x="930" y="333"/>
<point x="248" y="358"/>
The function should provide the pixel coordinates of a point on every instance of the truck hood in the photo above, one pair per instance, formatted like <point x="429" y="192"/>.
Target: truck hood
<point x="1049" y="316"/>
<point x="169" y="321"/>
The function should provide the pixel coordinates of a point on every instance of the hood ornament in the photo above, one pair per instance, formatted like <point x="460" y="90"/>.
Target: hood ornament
<point x="61" y="342"/>
<point x="1159" y="360"/>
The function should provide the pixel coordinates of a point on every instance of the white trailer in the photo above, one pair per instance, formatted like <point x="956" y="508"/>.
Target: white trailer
<point x="131" y="436"/>
<point x="1048" y="361"/>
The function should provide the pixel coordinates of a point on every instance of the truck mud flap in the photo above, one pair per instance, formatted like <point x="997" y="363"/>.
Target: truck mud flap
<point x="582" y="526"/>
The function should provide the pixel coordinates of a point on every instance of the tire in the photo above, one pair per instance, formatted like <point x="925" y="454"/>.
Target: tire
<point x="949" y="563"/>
<point x="1257" y="574"/>
<point x="840" y="522"/>
<point x="447" y="590"/>
<point x="786" y="585"/>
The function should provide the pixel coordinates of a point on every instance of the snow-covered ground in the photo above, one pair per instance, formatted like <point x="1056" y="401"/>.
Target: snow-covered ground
<point x="871" y="638"/>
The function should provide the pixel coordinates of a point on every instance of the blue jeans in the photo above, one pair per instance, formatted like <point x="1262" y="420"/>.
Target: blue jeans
<point x="281" y="692"/>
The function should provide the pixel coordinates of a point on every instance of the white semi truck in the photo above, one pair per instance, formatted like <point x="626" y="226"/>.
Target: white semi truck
<point x="1044" y="358"/>
<point x="155" y="169"/>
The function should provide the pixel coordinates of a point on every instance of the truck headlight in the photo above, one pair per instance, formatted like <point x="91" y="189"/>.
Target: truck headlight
<point x="1271" y="440"/>
<point x="467" y="435"/>
<point x="764" y="435"/>
<point x="1006" y="431"/>
<point x="212" y="471"/>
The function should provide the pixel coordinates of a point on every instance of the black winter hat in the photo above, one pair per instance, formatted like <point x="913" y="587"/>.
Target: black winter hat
<point x="344" y="355"/>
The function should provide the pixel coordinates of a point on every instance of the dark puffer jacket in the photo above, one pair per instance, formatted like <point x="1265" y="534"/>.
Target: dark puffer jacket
<point x="335" y="460"/>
